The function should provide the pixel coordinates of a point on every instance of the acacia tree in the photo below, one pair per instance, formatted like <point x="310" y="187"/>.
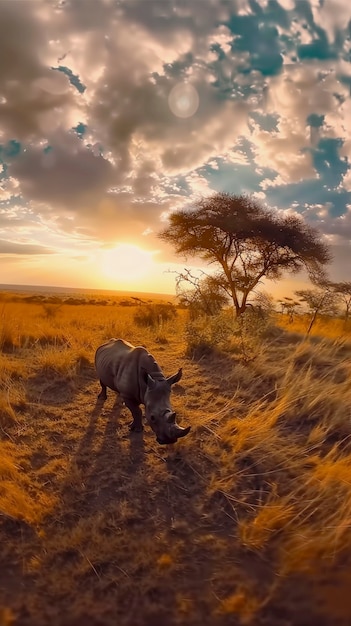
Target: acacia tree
<point x="320" y="301"/>
<point x="246" y="241"/>
<point x="344" y="292"/>
<point x="289" y="306"/>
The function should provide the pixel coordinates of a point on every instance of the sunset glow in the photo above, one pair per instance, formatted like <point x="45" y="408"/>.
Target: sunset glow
<point x="115" y="114"/>
<point x="125" y="264"/>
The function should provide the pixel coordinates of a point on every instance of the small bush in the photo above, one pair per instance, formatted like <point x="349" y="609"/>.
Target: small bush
<point x="248" y="331"/>
<point x="126" y="303"/>
<point x="154" y="315"/>
<point x="243" y="334"/>
<point x="51" y="310"/>
<point x="205" y="334"/>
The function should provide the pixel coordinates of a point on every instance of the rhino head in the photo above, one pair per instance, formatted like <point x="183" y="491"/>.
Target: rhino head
<point x="158" y="411"/>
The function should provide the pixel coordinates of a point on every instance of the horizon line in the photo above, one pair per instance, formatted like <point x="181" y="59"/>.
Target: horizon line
<point x="30" y="287"/>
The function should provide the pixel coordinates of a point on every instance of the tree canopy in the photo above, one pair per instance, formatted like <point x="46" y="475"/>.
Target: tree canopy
<point x="247" y="241"/>
<point x="344" y="292"/>
<point x="322" y="300"/>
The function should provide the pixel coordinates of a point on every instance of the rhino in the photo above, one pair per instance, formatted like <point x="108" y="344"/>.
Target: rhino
<point x="136" y="376"/>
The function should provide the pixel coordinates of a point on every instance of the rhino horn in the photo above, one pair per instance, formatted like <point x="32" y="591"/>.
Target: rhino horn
<point x="175" y="378"/>
<point x="171" y="417"/>
<point x="178" y="431"/>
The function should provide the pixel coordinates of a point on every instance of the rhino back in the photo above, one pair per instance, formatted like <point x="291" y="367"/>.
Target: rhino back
<point x="124" y="368"/>
<point x="131" y="376"/>
<point x="110" y="360"/>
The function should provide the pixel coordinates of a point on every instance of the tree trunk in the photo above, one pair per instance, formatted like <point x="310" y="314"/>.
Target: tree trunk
<point x="240" y="310"/>
<point x="237" y="311"/>
<point x="236" y="305"/>
<point x="314" y="317"/>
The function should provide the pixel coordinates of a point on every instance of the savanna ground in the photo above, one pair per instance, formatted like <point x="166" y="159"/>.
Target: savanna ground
<point x="245" y="521"/>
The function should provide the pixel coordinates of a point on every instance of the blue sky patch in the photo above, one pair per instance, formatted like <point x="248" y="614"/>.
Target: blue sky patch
<point x="10" y="150"/>
<point x="274" y="91"/>
<point x="80" y="129"/>
<point x="327" y="162"/>
<point x="73" y="78"/>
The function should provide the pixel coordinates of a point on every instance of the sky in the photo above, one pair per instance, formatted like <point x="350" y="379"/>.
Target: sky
<point x="114" y="113"/>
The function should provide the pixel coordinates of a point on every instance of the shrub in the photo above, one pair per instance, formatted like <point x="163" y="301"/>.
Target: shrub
<point x="201" y="295"/>
<point x="51" y="310"/>
<point x="249" y="330"/>
<point x="154" y="315"/>
<point x="206" y="333"/>
<point x="243" y="334"/>
<point x="126" y="303"/>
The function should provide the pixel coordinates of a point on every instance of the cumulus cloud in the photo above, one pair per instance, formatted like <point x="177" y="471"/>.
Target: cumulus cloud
<point x="272" y="83"/>
<point x="32" y="94"/>
<point x="9" y="187"/>
<point x="126" y="108"/>
<point x="297" y="93"/>
<point x="65" y="174"/>
<point x="331" y="16"/>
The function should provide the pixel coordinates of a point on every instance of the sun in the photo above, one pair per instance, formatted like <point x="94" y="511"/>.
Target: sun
<point x="126" y="263"/>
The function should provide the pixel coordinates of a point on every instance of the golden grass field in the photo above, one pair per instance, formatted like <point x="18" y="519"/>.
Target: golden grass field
<point x="247" y="521"/>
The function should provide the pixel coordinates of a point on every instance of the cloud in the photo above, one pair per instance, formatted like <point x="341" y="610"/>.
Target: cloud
<point x="9" y="187"/>
<point x="273" y="118"/>
<point x="331" y="16"/>
<point x="294" y="96"/>
<point x="338" y="226"/>
<point x="126" y="108"/>
<point x="341" y="262"/>
<point x="11" y="248"/>
<point x="130" y="110"/>
<point x="32" y="96"/>
<point x="67" y="174"/>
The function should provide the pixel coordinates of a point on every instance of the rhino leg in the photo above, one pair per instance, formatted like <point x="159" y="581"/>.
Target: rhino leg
<point x="102" y="395"/>
<point x="136" y="425"/>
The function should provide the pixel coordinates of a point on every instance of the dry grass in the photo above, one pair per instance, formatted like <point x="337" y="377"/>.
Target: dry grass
<point x="246" y="521"/>
<point x="323" y="327"/>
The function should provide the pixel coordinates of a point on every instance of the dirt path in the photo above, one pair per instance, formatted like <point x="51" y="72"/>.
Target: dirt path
<point x="136" y="535"/>
<point x="127" y="539"/>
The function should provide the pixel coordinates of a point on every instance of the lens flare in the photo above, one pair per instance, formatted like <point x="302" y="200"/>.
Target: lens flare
<point x="183" y="100"/>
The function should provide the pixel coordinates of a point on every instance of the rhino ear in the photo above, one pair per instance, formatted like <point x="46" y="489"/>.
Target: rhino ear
<point x="175" y="378"/>
<point x="150" y="382"/>
<point x="171" y="418"/>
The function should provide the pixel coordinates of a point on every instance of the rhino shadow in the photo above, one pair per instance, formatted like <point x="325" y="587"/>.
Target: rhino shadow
<point x="106" y="453"/>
